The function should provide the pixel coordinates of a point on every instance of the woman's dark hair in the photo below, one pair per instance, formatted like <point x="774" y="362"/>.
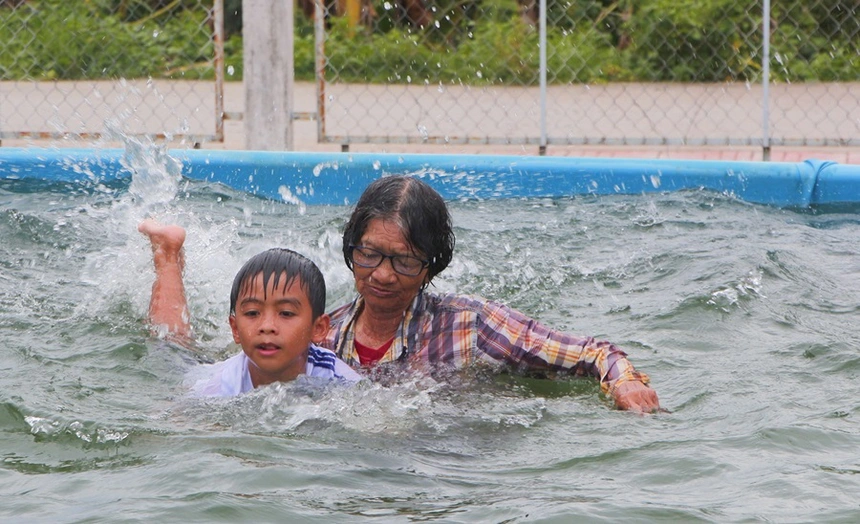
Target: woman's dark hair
<point x="418" y="208"/>
<point x="283" y="263"/>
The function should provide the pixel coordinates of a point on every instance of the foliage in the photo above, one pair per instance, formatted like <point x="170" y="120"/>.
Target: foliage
<point x="475" y="42"/>
<point x="56" y="39"/>
<point x="695" y="40"/>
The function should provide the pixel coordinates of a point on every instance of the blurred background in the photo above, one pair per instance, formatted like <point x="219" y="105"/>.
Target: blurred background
<point x="723" y="79"/>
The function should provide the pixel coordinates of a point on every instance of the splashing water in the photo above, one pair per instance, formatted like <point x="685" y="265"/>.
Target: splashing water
<point x="155" y="174"/>
<point x="743" y="316"/>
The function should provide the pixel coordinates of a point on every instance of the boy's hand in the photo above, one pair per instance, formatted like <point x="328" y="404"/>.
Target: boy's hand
<point x="637" y="397"/>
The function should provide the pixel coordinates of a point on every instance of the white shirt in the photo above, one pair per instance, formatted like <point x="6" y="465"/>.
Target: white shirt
<point x="231" y="377"/>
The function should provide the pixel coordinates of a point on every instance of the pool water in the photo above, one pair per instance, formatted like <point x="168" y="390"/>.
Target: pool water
<point x="744" y="316"/>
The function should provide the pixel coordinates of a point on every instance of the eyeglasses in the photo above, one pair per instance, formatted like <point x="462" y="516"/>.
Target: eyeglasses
<point x="404" y="264"/>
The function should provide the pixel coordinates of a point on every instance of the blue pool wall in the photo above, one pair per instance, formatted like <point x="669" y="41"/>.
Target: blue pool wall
<point x="339" y="178"/>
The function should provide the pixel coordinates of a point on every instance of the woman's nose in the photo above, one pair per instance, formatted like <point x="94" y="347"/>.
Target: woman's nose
<point x="384" y="272"/>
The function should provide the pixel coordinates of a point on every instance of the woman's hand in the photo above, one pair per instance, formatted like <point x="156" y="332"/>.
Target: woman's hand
<point x="636" y="396"/>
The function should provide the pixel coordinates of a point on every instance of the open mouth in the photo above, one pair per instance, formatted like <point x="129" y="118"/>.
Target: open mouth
<point x="267" y="349"/>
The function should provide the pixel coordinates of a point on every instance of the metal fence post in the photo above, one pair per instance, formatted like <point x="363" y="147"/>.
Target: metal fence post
<point x="543" y="66"/>
<point x="218" y="65"/>
<point x="320" y="65"/>
<point x="765" y="103"/>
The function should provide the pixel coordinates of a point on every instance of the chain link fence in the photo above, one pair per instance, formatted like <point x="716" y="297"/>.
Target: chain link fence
<point x="107" y="68"/>
<point x="625" y="72"/>
<point x="617" y="72"/>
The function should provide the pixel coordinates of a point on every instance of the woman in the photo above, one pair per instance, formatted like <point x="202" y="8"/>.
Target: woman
<point x="398" y="238"/>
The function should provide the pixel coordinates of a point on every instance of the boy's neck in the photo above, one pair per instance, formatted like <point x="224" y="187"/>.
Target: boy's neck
<point x="261" y="378"/>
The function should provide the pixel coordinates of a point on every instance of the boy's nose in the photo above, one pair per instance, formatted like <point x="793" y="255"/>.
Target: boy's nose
<point x="267" y="323"/>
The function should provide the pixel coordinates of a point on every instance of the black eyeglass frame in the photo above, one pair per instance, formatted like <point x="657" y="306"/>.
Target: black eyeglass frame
<point x="383" y="256"/>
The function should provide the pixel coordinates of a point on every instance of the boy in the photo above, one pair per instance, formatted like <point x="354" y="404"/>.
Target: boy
<point x="277" y="310"/>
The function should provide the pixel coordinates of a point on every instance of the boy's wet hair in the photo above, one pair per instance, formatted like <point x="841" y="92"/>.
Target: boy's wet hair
<point x="280" y="263"/>
<point x="419" y="210"/>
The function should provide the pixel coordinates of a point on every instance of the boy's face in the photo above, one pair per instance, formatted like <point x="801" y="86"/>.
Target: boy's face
<point x="275" y="331"/>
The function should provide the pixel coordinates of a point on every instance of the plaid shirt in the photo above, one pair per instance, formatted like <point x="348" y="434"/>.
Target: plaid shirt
<point x="458" y="331"/>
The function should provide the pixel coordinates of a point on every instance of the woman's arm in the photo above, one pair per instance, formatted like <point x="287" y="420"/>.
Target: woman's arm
<point x="509" y="335"/>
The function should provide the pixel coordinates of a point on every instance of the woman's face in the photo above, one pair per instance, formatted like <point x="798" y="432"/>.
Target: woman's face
<point x="384" y="289"/>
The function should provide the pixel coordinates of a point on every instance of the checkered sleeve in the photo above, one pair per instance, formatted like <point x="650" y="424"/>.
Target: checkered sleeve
<point x="505" y="334"/>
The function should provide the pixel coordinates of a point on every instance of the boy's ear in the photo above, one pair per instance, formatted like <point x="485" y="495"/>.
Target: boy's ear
<point x="321" y="325"/>
<point x="232" y="320"/>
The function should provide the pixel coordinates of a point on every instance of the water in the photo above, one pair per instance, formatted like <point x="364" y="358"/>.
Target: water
<point x="744" y="316"/>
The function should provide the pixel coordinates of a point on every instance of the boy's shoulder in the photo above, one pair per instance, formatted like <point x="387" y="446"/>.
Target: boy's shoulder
<point x="223" y="379"/>
<point x="231" y="377"/>
<point x="324" y="363"/>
